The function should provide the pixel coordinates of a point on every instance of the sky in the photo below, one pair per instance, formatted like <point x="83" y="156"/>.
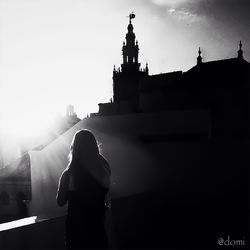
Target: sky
<point x="59" y="52"/>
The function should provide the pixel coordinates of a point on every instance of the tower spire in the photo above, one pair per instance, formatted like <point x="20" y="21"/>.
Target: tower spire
<point x="240" y="51"/>
<point x="130" y="48"/>
<point x="199" y="58"/>
<point x="131" y="16"/>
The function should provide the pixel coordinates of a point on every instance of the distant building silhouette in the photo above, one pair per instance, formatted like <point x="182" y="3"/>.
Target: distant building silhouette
<point x="15" y="189"/>
<point x="70" y="117"/>
<point x="60" y="126"/>
<point x="207" y="85"/>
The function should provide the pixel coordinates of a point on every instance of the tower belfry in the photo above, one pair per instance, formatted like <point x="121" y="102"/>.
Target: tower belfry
<point x="126" y="78"/>
<point x="130" y="49"/>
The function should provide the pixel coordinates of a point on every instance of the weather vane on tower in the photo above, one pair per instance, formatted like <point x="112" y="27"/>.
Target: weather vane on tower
<point x="131" y="16"/>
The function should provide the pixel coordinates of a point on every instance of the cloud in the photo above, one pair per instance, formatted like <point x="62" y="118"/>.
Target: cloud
<point x="184" y="15"/>
<point x="180" y="10"/>
<point x="171" y="11"/>
<point x="171" y="3"/>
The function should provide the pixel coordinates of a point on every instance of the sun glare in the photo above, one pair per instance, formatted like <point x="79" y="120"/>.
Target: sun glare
<point x="22" y="120"/>
<point x="21" y="125"/>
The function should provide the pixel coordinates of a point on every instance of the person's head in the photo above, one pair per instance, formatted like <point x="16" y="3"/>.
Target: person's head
<point x="85" y="156"/>
<point x="83" y="146"/>
<point x="84" y="150"/>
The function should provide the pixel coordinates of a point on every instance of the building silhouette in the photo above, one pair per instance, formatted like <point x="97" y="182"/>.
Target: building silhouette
<point x="213" y="85"/>
<point x="127" y="77"/>
<point x="204" y="110"/>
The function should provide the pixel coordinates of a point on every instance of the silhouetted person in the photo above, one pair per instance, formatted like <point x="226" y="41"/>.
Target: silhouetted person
<point x="84" y="185"/>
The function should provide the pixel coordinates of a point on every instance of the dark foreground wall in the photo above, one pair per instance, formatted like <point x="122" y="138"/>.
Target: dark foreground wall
<point x="211" y="204"/>
<point x="150" y="220"/>
<point x="46" y="234"/>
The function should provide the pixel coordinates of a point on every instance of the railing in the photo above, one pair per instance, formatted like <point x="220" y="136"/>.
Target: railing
<point x="33" y="233"/>
<point x="18" y="223"/>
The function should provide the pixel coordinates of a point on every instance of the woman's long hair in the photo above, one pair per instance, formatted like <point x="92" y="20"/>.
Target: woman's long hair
<point x="84" y="156"/>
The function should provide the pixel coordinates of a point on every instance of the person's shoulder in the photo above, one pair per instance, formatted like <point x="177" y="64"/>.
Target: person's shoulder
<point x="66" y="171"/>
<point x="103" y="159"/>
<point x="65" y="174"/>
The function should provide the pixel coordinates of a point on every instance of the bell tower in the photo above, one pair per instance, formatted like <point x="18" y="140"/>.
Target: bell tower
<point x="130" y="49"/>
<point x="126" y="78"/>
